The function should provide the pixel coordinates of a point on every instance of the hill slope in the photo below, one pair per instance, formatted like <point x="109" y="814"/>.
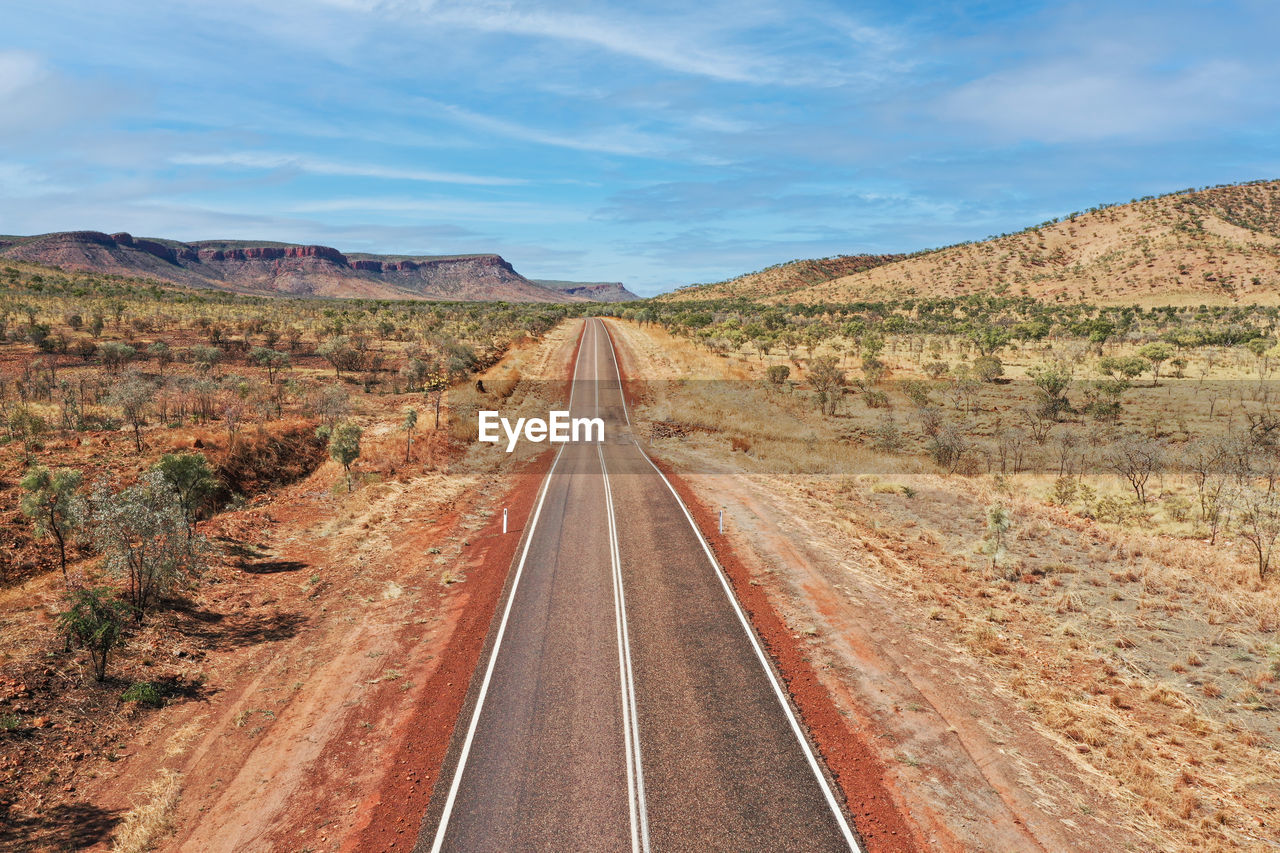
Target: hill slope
<point x="283" y="268"/>
<point x="1217" y="245"/>
<point x="781" y="279"/>
<point x="596" y="291"/>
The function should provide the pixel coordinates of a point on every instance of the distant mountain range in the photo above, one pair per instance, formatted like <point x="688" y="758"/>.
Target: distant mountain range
<point x="1218" y="245"/>
<point x="270" y="268"/>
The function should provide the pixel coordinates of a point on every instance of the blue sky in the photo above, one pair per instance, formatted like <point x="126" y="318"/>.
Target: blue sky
<point x="655" y="143"/>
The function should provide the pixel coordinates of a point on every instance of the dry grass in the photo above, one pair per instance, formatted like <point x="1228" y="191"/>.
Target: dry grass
<point x="146" y="823"/>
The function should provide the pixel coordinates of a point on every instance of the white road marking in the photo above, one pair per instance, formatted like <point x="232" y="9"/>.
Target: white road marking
<point x="828" y="794"/>
<point x="452" y="797"/>
<point x="630" y="717"/>
<point x="636" y="806"/>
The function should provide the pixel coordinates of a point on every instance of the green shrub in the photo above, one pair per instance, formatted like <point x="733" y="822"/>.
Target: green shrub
<point x="144" y="693"/>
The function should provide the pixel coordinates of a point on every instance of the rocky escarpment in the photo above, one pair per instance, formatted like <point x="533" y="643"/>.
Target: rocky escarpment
<point x="596" y="291"/>
<point x="279" y="268"/>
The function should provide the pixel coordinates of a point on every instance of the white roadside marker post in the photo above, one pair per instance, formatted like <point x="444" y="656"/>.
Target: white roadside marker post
<point x="722" y="519"/>
<point x="504" y="519"/>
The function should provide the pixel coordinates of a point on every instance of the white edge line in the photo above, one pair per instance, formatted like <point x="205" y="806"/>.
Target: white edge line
<point x="622" y="666"/>
<point x="629" y="696"/>
<point x="443" y="828"/>
<point x="755" y="643"/>
<point x="488" y="673"/>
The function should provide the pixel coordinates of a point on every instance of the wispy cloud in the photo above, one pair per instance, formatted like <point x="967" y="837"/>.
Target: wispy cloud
<point x="623" y="140"/>
<point x="663" y="45"/>
<point x="448" y="209"/>
<point x="317" y="166"/>
<point x="1066" y="101"/>
<point x="725" y="42"/>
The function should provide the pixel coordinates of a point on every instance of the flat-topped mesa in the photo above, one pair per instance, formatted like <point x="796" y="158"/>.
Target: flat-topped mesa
<point x="281" y="269"/>
<point x="272" y="253"/>
<point x="123" y="238"/>
<point x="497" y="262"/>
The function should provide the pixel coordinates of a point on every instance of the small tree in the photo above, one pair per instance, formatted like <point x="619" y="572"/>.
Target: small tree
<point x="51" y="500"/>
<point x="273" y="361"/>
<point x="1109" y="398"/>
<point x="25" y="426"/>
<point x="409" y="424"/>
<point x="142" y="532"/>
<point x="874" y="369"/>
<point x="998" y="523"/>
<point x="344" y="446"/>
<point x="828" y="381"/>
<point x="1051" y="382"/>
<point x="116" y="355"/>
<point x="1257" y="521"/>
<point x="1129" y="367"/>
<point x="339" y="352"/>
<point x="416" y="372"/>
<point x="162" y="353"/>
<point x="192" y="480"/>
<point x="435" y="385"/>
<point x="332" y="404"/>
<point x="1136" y="459"/>
<point x="205" y="358"/>
<point x="133" y="394"/>
<point x="96" y="620"/>
<point x="990" y="339"/>
<point x="1156" y="353"/>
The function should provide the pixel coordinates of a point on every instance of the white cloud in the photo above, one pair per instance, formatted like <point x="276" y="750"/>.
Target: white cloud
<point x="729" y="42"/>
<point x="35" y="100"/>
<point x="1084" y="100"/>
<point x="316" y="166"/>
<point x="666" y="46"/>
<point x="450" y="209"/>
<point x="622" y="140"/>
<point x="19" y="70"/>
<point x="18" y="180"/>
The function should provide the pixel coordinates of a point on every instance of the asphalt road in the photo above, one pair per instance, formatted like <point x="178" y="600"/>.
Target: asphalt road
<point x="624" y="703"/>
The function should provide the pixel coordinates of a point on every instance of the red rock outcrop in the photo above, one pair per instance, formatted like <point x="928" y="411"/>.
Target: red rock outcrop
<point x="283" y="269"/>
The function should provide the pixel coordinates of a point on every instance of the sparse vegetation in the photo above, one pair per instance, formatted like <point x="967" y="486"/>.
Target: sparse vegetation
<point x="142" y="532"/>
<point x="51" y="500"/>
<point x="96" y="621"/>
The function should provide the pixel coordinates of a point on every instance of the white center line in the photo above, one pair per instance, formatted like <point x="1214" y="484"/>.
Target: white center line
<point x="796" y="729"/>
<point x="630" y="717"/>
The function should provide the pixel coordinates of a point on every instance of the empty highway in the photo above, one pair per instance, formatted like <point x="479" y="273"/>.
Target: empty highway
<point x="624" y="703"/>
